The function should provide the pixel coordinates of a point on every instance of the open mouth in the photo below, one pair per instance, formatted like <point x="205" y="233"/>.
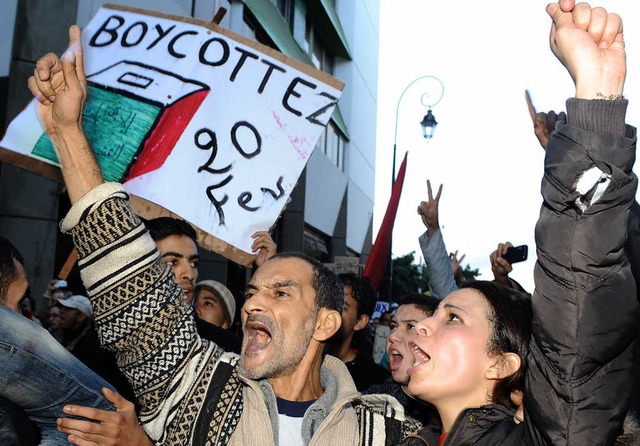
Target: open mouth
<point x="420" y="357"/>
<point x="257" y="334"/>
<point x="187" y="291"/>
<point x="395" y="359"/>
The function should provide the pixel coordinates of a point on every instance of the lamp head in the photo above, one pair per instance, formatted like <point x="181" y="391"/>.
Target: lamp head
<point x="428" y="124"/>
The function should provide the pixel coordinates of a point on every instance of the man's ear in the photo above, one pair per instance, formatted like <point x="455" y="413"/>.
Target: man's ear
<point x="362" y="322"/>
<point x="505" y="365"/>
<point x="328" y="322"/>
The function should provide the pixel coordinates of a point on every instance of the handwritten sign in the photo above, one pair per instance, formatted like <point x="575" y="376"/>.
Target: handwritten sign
<point x="345" y="264"/>
<point x="205" y="124"/>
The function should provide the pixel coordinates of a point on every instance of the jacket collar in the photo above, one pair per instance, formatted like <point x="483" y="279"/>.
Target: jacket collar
<point x="470" y="425"/>
<point x="338" y="387"/>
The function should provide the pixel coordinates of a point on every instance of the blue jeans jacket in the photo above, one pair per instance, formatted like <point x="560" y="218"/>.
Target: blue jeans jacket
<point x="41" y="376"/>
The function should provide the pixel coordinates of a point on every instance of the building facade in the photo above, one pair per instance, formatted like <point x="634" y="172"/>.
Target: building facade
<point x="331" y="209"/>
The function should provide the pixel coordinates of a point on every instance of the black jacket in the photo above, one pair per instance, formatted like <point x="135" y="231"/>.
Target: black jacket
<point x="413" y="407"/>
<point x="585" y="311"/>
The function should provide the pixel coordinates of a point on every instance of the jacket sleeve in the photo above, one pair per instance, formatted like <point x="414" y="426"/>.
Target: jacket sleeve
<point x="441" y="280"/>
<point x="584" y="306"/>
<point x="139" y="310"/>
<point x="632" y="248"/>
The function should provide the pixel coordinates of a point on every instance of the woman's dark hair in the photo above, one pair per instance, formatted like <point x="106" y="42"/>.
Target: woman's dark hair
<point x="510" y="317"/>
<point x="428" y="304"/>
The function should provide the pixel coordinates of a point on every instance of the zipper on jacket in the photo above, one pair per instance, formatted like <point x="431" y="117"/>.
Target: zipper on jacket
<point x="423" y="440"/>
<point x="455" y="424"/>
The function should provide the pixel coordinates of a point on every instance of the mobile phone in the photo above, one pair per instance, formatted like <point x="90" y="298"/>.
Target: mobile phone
<point x="516" y="254"/>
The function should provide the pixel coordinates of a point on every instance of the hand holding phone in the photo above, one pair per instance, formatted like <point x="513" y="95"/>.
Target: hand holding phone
<point x="516" y="254"/>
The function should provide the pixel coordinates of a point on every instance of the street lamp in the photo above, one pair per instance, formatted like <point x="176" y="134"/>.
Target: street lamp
<point x="428" y="125"/>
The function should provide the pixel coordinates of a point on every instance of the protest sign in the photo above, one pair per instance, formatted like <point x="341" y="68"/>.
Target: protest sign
<point x="345" y="264"/>
<point x="196" y="122"/>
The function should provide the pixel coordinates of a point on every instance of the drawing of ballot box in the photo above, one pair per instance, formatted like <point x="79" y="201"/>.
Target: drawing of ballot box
<point x="133" y="117"/>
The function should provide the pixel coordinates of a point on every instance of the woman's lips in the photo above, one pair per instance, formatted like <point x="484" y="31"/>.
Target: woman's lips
<point x="420" y="357"/>
<point x="395" y="359"/>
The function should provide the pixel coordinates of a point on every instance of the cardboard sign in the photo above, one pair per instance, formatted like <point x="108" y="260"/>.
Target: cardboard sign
<point x="195" y="121"/>
<point x="345" y="264"/>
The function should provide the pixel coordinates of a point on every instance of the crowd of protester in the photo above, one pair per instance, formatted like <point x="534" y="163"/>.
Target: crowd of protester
<point x="146" y="353"/>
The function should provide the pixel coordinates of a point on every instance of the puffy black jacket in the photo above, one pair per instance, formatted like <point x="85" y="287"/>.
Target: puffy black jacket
<point x="585" y="311"/>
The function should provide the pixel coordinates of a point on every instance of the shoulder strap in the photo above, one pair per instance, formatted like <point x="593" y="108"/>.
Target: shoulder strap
<point x="380" y="421"/>
<point x="222" y="407"/>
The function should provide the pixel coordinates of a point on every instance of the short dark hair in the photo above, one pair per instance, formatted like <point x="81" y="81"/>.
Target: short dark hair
<point x="328" y="287"/>
<point x="428" y="304"/>
<point x="510" y="318"/>
<point x="162" y="227"/>
<point x="362" y="291"/>
<point x="8" y="273"/>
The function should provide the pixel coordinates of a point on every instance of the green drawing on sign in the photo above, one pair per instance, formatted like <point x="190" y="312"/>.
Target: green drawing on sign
<point x="116" y="127"/>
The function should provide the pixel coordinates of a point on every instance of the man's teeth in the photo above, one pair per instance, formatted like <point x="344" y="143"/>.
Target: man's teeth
<point x="396" y="353"/>
<point x="420" y="356"/>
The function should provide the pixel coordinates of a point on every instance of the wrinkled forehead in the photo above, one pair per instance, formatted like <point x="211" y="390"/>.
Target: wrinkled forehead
<point x="283" y="270"/>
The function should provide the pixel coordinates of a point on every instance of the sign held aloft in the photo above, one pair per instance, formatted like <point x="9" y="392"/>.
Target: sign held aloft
<point x="196" y="122"/>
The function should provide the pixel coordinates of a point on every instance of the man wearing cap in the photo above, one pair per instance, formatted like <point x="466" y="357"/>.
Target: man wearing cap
<point x="215" y="308"/>
<point x="75" y="319"/>
<point x="214" y="303"/>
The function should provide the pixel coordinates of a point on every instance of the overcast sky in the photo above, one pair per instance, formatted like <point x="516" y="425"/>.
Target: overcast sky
<point x="484" y="151"/>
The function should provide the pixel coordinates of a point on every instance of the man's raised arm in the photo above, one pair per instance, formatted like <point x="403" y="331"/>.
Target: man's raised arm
<point x="60" y="87"/>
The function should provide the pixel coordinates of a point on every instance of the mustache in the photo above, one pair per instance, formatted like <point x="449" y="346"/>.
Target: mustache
<point x="261" y="319"/>
<point x="185" y="282"/>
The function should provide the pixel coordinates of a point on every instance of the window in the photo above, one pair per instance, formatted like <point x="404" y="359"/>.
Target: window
<point x="286" y="8"/>
<point x="316" y="244"/>
<point x="316" y="49"/>
<point x="332" y="144"/>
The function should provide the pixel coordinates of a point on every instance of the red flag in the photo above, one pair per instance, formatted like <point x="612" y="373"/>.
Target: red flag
<point x="379" y="256"/>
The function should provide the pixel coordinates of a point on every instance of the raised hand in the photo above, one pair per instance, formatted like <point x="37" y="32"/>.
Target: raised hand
<point x="455" y="264"/>
<point x="60" y="87"/>
<point x="264" y="244"/>
<point x="428" y="210"/>
<point x="543" y="123"/>
<point x="500" y="267"/>
<point x="590" y="44"/>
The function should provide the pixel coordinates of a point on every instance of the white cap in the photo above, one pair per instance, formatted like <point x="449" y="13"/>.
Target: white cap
<point x="80" y="303"/>
<point x="224" y="293"/>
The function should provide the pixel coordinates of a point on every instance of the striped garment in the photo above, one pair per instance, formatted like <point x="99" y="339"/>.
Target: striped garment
<point x="190" y="390"/>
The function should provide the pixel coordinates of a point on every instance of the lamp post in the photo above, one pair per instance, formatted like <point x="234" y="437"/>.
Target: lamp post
<point x="428" y="125"/>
